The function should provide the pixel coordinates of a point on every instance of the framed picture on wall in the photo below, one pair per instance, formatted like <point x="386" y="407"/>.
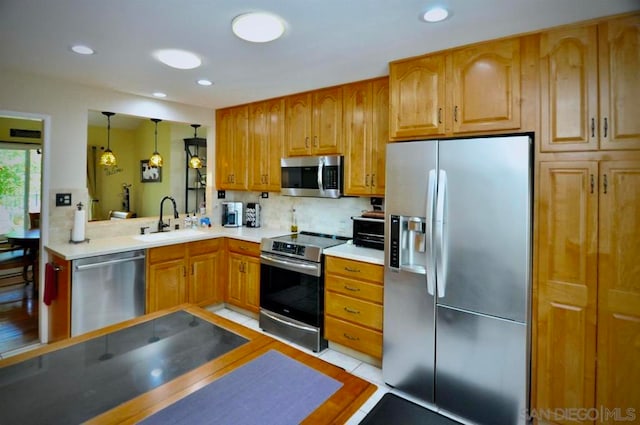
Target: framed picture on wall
<point x="149" y="173"/>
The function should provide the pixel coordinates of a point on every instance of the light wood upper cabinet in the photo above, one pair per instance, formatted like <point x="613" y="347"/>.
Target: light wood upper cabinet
<point x="313" y="123"/>
<point x="232" y="135"/>
<point x="619" y="54"/>
<point x="417" y="97"/>
<point x="618" y="372"/>
<point x="366" y="106"/>
<point x="266" y="136"/>
<point x="473" y="89"/>
<point x="569" y="89"/>
<point x="486" y="87"/>
<point x="589" y="86"/>
<point x="588" y="309"/>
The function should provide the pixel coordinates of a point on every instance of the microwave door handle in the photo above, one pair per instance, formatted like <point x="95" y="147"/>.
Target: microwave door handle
<point x="320" y="175"/>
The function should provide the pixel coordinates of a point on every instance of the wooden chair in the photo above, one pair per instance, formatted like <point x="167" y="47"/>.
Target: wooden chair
<point x="12" y="257"/>
<point x="34" y="220"/>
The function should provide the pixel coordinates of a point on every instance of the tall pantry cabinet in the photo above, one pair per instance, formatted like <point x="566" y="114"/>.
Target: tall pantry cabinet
<point x="587" y="345"/>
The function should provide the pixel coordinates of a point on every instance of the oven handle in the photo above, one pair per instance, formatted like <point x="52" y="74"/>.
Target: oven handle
<point x="309" y="269"/>
<point x="284" y="322"/>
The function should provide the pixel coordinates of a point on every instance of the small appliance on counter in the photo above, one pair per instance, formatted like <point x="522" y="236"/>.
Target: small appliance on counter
<point x="253" y="214"/>
<point x="368" y="230"/>
<point x="232" y="214"/>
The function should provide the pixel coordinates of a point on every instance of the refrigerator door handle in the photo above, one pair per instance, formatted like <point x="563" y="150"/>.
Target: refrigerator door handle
<point x="431" y="202"/>
<point x="440" y="237"/>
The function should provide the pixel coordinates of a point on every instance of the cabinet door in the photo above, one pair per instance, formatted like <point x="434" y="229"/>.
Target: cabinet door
<point x="619" y="286"/>
<point x="235" y="282"/>
<point x="204" y="284"/>
<point x="258" y="145"/>
<point x="327" y="121"/>
<point x="232" y="130"/>
<point x="275" y="137"/>
<point x="417" y="97"/>
<point x="379" y="134"/>
<point x="357" y="135"/>
<point x="486" y="87"/>
<point x="298" y="124"/>
<point x="167" y="286"/>
<point x="252" y="283"/>
<point x="569" y="89"/>
<point x="619" y="83"/>
<point x="567" y="285"/>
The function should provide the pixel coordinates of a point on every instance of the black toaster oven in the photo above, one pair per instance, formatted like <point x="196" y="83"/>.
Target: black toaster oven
<point x="368" y="232"/>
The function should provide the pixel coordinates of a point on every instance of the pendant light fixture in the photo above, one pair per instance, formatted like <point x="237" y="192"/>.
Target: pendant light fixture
<point x="156" y="159"/>
<point x="195" y="161"/>
<point x="108" y="159"/>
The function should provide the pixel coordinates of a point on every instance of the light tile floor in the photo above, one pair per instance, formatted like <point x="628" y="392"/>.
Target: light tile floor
<point x="363" y="370"/>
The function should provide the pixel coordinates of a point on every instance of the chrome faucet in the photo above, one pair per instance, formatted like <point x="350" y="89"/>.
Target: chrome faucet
<point x="162" y="225"/>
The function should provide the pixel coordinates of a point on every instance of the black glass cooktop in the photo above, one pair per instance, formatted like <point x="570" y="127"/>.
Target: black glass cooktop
<point x="74" y="384"/>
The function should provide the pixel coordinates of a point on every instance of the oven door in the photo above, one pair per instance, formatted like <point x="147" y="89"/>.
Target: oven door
<point x="292" y="288"/>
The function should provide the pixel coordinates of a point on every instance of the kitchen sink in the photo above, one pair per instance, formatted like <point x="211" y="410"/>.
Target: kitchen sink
<point x="167" y="236"/>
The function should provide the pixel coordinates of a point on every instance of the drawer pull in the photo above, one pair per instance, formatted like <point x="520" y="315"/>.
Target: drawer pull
<point x="352" y="270"/>
<point x="349" y="337"/>
<point x="351" y="288"/>
<point x="350" y="310"/>
<point x="243" y="248"/>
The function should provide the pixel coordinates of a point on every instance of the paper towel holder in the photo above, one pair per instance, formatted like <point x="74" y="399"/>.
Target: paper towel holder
<point x="79" y="205"/>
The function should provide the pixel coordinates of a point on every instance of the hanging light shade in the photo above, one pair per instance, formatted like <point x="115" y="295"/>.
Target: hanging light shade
<point x="156" y="159"/>
<point x="108" y="159"/>
<point x="195" y="161"/>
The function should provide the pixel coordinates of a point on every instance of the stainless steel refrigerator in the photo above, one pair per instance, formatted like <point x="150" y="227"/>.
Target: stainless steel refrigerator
<point x="457" y="276"/>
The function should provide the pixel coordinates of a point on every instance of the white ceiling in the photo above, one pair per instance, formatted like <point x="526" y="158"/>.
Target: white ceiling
<point x="327" y="42"/>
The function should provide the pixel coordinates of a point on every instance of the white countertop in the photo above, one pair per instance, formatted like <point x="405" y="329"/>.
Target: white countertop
<point x="101" y="246"/>
<point x="358" y="253"/>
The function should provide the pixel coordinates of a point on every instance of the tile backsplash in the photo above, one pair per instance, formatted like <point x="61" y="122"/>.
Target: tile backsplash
<point x="322" y="215"/>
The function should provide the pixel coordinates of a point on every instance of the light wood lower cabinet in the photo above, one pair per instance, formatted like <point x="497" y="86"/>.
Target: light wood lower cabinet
<point x="243" y="283"/>
<point x="353" y="304"/>
<point x="588" y="309"/>
<point x="184" y="273"/>
<point x="60" y="308"/>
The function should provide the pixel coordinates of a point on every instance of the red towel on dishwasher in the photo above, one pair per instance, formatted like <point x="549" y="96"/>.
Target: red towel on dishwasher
<point x="50" y="284"/>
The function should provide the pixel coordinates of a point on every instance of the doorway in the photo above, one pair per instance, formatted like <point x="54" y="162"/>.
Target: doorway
<point x="20" y="209"/>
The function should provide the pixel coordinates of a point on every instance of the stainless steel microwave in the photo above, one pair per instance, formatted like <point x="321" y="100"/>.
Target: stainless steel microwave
<point x="314" y="176"/>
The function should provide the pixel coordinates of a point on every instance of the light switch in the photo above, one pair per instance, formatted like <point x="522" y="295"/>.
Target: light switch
<point x="63" y="199"/>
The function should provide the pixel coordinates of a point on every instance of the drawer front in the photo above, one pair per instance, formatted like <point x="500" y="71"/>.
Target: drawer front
<point x="204" y="246"/>
<point x="165" y="253"/>
<point x="354" y="288"/>
<point x="244" y="247"/>
<point x="354" y="269"/>
<point x="360" y="339"/>
<point x="361" y="312"/>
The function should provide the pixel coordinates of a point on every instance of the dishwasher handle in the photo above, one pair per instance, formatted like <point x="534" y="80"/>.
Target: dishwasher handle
<point x="107" y="263"/>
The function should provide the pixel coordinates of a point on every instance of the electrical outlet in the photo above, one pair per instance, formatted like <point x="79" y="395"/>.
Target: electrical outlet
<point x="63" y="199"/>
<point x="264" y="195"/>
<point x="221" y="194"/>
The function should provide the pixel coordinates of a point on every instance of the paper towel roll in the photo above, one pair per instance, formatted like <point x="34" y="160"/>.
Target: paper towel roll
<point x="77" y="234"/>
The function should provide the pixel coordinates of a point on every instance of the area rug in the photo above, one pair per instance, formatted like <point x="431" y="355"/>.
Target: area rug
<point x="271" y="389"/>
<point x="392" y="409"/>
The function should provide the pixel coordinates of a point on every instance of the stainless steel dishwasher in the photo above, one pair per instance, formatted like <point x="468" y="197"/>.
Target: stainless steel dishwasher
<point x="107" y="289"/>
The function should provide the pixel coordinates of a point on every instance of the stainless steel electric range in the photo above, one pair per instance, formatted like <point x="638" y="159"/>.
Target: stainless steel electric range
<point x="292" y="287"/>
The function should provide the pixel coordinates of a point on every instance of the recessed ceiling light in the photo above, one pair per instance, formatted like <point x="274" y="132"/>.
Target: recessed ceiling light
<point x="82" y="49"/>
<point x="204" y="82"/>
<point x="176" y="58"/>
<point x="159" y="94"/>
<point x="258" y="27"/>
<point x="436" y="14"/>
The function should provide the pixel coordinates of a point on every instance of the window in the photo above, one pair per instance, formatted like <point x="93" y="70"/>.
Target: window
<point x="20" y="182"/>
